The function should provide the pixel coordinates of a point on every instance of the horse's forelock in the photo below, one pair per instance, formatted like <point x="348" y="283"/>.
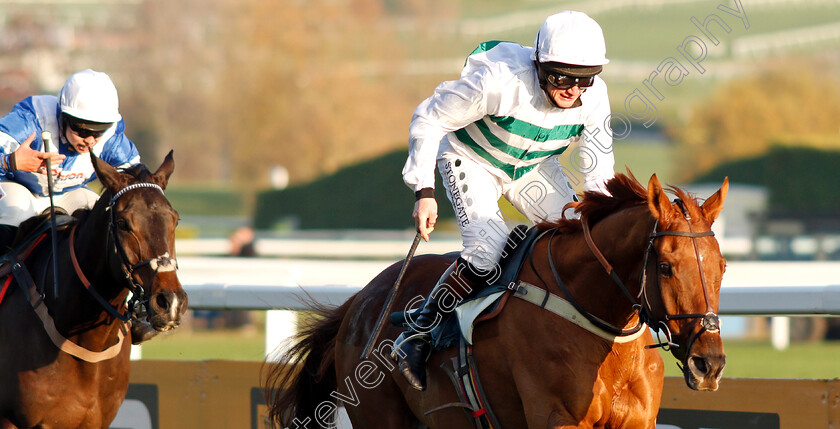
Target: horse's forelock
<point x="689" y="199"/>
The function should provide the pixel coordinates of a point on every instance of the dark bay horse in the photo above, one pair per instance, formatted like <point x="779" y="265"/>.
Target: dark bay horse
<point x="64" y="360"/>
<point x="538" y="369"/>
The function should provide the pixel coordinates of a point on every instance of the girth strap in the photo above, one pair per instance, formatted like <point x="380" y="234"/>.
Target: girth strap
<point x="559" y="306"/>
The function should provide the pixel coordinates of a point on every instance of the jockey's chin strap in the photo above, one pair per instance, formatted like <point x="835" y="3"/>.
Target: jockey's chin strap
<point x="709" y="320"/>
<point x="137" y="304"/>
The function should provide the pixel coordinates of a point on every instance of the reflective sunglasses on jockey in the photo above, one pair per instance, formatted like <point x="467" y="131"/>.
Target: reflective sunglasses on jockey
<point x="84" y="132"/>
<point x="561" y="81"/>
<point x="86" y="129"/>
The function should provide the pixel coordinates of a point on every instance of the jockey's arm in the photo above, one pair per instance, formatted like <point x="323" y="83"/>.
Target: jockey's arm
<point x="452" y="106"/>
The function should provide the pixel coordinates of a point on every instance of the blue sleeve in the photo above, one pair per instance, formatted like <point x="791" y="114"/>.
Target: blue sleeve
<point x="21" y="121"/>
<point x="18" y="125"/>
<point x="119" y="151"/>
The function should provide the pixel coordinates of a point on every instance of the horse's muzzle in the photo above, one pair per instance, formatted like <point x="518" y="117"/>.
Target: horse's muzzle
<point x="703" y="371"/>
<point x="166" y="308"/>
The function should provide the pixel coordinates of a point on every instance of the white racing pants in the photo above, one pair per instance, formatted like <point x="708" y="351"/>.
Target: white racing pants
<point x="474" y="192"/>
<point x="18" y="203"/>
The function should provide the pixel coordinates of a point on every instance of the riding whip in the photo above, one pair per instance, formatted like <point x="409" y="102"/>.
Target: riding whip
<point x="389" y="302"/>
<point x="46" y="137"/>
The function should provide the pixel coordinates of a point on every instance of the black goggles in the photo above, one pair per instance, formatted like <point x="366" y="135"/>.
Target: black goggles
<point x="561" y="81"/>
<point x="80" y="130"/>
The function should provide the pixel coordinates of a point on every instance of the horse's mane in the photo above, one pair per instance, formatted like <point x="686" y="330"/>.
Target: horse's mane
<point x="625" y="191"/>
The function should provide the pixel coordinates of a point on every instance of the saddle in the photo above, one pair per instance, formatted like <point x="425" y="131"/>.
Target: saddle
<point x="11" y="263"/>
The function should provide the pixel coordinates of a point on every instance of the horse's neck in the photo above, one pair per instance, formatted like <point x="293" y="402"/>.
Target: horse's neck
<point x="622" y="239"/>
<point x="626" y="235"/>
<point x="91" y="249"/>
<point x="91" y="242"/>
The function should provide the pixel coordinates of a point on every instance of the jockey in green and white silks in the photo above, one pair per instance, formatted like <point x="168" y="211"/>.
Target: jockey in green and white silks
<point x="498" y="130"/>
<point x="84" y="117"/>
<point x="493" y="131"/>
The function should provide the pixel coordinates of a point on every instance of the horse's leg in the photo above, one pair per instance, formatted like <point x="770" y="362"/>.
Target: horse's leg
<point x="440" y="394"/>
<point x="626" y="393"/>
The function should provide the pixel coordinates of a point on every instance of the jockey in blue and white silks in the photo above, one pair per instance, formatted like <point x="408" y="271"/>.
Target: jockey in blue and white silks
<point x="84" y="117"/>
<point x="498" y="131"/>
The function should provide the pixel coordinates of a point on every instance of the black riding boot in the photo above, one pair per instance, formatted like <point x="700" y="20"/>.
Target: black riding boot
<point x="413" y="347"/>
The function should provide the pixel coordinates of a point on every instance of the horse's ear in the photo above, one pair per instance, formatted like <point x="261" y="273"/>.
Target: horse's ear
<point x="658" y="202"/>
<point x="109" y="176"/>
<point x="161" y="176"/>
<point x="714" y="204"/>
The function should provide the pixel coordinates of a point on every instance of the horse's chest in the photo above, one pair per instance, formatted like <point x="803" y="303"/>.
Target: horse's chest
<point x="71" y="393"/>
<point x="627" y="389"/>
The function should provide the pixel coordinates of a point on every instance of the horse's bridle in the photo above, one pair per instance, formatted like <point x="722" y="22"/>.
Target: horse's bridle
<point x="709" y="321"/>
<point x="138" y="303"/>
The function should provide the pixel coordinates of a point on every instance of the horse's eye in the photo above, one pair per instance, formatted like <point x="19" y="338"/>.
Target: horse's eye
<point x="665" y="269"/>
<point x="123" y="224"/>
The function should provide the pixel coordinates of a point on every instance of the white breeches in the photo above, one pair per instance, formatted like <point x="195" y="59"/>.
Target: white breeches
<point x="17" y="203"/>
<point x="474" y="192"/>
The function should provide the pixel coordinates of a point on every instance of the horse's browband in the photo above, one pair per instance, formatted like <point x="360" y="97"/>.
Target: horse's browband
<point x="134" y="186"/>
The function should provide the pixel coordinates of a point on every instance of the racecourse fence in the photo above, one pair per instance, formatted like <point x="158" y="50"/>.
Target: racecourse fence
<point x="282" y="285"/>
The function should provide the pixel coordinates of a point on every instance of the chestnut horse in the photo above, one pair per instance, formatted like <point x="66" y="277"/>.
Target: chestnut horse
<point x="633" y="257"/>
<point x="64" y="359"/>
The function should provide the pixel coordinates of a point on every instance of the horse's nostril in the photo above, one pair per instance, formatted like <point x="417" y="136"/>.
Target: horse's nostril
<point x="700" y="364"/>
<point x="162" y="302"/>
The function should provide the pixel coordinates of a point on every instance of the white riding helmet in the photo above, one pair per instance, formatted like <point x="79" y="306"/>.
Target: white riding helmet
<point x="91" y="96"/>
<point x="570" y="37"/>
